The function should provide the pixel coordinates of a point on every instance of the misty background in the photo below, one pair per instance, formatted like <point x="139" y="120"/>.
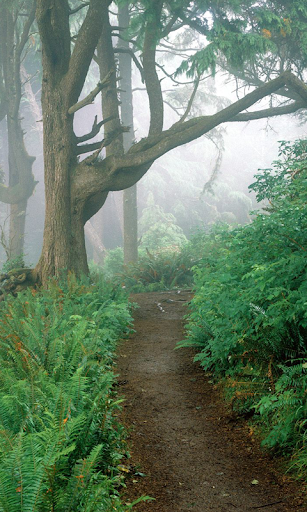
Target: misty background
<point x="193" y="186"/>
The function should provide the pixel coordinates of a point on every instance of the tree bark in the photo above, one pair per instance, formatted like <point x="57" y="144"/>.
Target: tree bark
<point x="126" y="98"/>
<point x="64" y="74"/>
<point x="21" y="181"/>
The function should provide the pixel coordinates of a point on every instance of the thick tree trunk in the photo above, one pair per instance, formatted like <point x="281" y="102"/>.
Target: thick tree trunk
<point x="64" y="74"/>
<point x="64" y="245"/>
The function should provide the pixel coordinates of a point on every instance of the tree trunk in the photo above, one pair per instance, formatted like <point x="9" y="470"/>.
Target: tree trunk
<point x="98" y="247"/>
<point x="20" y="170"/>
<point x="64" y="74"/>
<point x="19" y="162"/>
<point x="64" y="245"/>
<point x="130" y="195"/>
<point x="130" y="225"/>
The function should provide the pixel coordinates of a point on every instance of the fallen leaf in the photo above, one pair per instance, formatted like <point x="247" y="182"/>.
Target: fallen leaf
<point x="123" y="468"/>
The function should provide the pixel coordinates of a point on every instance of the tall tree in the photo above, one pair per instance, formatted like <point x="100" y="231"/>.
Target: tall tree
<point x="76" y="190"/>
<point x="126" y="99"/>
<point x="14" y="35"/>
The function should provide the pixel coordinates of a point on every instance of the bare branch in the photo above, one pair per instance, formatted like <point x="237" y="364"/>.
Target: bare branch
<point x="298" y="86"/>
<point x="191" y="100"/>
<point x="153" y="147"/>
<point x="175" y="109"/>
<point x="95" y="130"/>
<point x="120" y="172"/>
<point x="77" y="9"/>
<point x="177" y="82"/>
<point x="269" y="112"/>
<point x="173" y="47"/>
<point x="252" y="79"/>
<point x="130" y="52"/>
<point x="98" y="146"/>
<point x="193" y="24"/>
<point x="168" y="28"/>
<point x="87" y="148"/>
<point x="92" y="95"/>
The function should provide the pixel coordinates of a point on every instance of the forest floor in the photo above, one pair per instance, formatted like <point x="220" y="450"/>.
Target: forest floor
<point x="195" y="454"/>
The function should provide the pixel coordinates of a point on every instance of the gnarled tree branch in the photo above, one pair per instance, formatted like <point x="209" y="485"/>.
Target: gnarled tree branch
<point x="117" y="173"/>
<point x="191" y="100"/>
<point x="94" y="131"/>
<point x="92" y="95"/>
<point x="130" y="52"/>
<point x="269" y="112"/>
<point x="95" y="146"/>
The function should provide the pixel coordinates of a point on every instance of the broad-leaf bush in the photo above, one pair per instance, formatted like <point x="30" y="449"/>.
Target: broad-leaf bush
<point x="249" y="313"/>
<point x="60" y="441"/>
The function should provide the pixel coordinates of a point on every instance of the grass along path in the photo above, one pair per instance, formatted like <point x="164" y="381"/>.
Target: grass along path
<point x="196" y="456"/>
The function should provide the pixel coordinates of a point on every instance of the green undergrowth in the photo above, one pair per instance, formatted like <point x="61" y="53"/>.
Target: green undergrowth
<point x="60" y="439"/>
<point x="248" y="317"/>
<point x="163" y="269"/>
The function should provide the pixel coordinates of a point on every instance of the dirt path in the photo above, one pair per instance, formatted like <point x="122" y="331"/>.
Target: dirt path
<point x="195" y="456"/>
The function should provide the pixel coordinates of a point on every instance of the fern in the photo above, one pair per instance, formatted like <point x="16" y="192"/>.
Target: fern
<point x="56" y="398"/>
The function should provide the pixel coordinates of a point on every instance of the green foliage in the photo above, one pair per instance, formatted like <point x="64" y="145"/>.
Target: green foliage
<point x="60" y="442"/>
<point x="258" y="39"/>
<point x="248" y="315"/>
<point x="160" y="270"/>
<point x="113" y="263"/>
<point x="13" y="263"/>
<point x="158" y="229"/>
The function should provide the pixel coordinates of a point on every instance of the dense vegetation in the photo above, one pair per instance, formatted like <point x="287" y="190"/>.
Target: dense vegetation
<point x="60" y="441"/>
<point x="248" y="316"/>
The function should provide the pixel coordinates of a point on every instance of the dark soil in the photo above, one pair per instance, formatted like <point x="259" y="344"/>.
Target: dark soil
<point x="196" y="455"/>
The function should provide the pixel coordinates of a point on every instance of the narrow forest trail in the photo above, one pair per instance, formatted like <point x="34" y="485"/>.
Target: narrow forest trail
<point x="194" y="455"/>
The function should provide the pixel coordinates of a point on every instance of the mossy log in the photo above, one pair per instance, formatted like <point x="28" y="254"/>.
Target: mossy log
<point x="17" y="280"/>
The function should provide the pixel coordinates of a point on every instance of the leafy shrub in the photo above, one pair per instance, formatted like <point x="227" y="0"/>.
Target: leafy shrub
<point x="113" y="263"/>
<point x="60" y="442"/>
<point x="158" y="270"/>
<point x="13" y="263"/>
<point x="249" y="315"/>
<point x="159" y="230"/>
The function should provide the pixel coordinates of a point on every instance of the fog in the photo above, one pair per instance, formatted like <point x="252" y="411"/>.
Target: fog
<point x="203" y="182"/>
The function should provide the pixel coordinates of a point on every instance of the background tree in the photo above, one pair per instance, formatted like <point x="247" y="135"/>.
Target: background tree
<point x="15" y="26"/>
<point x="130" y="208"/>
